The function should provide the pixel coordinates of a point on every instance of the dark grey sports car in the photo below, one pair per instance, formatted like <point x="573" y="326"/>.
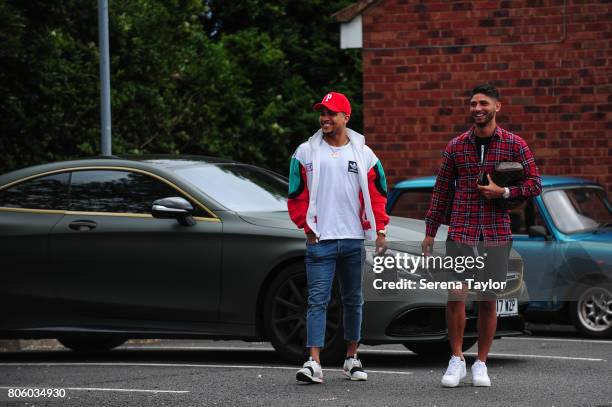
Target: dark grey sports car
<point x="97" y="251"/>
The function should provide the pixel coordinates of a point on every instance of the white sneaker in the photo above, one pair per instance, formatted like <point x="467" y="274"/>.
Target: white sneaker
<point x="479" y="374"/>
<point x="311" y="372"/>
<point x="455" y="372"/>
<point x="353" y="369"/>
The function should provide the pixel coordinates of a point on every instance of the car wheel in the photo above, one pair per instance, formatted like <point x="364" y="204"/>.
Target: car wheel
<point x="91" y="344"/>
<point x="285" y="318"/>
<point x="591" y="314"/>
<point x="438" y="349"/>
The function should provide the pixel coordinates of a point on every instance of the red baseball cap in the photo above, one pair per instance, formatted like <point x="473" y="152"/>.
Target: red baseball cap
<point x="336" y="102"/>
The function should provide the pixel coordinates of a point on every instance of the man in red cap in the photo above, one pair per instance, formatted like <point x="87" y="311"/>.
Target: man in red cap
<point x="337" y="194"/>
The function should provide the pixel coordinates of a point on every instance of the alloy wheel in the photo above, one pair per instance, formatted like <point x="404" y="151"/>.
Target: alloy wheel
<point x="289" y="306"/>
<point x="595" y="309"/>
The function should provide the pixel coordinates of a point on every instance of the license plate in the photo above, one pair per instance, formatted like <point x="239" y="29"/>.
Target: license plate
<point x="507" y="307"/>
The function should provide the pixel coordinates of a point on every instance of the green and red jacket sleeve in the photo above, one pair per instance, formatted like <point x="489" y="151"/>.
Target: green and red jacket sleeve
<point x="377" y="186"/>
<point x="298" y="194"/>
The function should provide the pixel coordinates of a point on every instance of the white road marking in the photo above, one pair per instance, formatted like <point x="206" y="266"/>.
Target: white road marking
<point x="99" y="389"/>
<point x="523" y="338"/>
<point x="383" y="371"/>
<point x="246" y="348"/>
<point x="523" y="356"/>
<point x="127" y="364"/>
<point x="171" y="347"/>
<point x="367" y="351"/>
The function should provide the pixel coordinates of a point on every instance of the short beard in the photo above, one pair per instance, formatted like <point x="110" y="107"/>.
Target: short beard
<point x="331" y="133"/>
<point x="488" y="118"/>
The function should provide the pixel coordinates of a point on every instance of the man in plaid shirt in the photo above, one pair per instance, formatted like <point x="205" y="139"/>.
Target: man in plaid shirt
<point x="479" y="220"/>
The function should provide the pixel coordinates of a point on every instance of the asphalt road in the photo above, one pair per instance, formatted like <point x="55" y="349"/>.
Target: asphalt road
<point x="548" y="369"/>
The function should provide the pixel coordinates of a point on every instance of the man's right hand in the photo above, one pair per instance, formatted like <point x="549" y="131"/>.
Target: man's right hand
<point x="311" y="238"/>
<point x="427" y="245"/>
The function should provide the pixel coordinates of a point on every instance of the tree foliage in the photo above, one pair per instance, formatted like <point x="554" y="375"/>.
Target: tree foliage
<point x="228" y="78"/>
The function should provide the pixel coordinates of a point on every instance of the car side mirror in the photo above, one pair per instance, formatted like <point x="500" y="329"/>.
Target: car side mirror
<point x="174" y="208"/>
<point x="538" y="231"/>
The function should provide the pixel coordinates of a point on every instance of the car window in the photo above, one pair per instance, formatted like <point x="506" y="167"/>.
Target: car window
<point x="49" y="192"/>
<point x="117" y="192"/>
<point x="525" y="215"/>
<point x="411" y="204"/>
<point x="538" y="219"/>
<point x="576" y="210"/>
<point x="241" y="188"/>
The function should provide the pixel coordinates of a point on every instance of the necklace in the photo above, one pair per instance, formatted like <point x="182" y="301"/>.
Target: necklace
<point x="335" y="151"/>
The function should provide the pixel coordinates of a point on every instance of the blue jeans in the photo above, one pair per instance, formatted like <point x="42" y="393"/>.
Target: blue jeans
<point x="324" y="259"/>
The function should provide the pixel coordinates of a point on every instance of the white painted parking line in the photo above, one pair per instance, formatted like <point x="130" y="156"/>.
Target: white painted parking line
<point x="509" y="355"/>
<point x="383" y="371"/>
<point x="100" y="389"/>
<point x="523" y="338"/>
<point x="367" y="351"/>
<point x="246" y="348"/>
<point x="127" y="364"/>
<point x="524" y="356"/>
<point x="171" y="347"/>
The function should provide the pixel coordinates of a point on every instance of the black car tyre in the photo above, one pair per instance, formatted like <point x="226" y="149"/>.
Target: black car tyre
<point x="285" y="307"/>
<point x="91" y="344"/>
<point x="591" y="314"/>
<point x="438" y="349"/>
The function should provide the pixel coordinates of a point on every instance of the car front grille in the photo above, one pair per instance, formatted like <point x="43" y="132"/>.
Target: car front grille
<point x="419" y="321"/>
<point x="432" y="321"/>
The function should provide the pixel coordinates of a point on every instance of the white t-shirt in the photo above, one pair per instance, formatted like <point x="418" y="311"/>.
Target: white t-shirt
<point x="338" y="204"/>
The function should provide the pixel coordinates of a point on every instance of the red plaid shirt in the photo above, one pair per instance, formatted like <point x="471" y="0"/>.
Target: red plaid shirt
<point x="472" y="214"/>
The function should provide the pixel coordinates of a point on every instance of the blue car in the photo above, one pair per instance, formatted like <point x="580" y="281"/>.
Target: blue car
<point x="565" y="238"/>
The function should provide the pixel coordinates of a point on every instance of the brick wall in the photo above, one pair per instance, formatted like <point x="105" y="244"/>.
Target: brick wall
<point x="550" y="59"/>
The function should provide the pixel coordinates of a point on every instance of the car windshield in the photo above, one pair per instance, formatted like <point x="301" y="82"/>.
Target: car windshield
<point x="241" y="188"/>
<point x="576" y="210"/>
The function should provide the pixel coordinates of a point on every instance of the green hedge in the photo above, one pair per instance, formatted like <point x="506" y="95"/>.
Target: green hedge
<point x="233" y="79"/>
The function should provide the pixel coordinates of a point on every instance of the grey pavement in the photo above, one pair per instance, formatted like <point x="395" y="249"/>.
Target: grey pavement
<point x="549" y="369"/>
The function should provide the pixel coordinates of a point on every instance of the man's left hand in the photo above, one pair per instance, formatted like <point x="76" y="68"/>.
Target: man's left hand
<point x="491" y="191"/>
<point x="381" y="245"/>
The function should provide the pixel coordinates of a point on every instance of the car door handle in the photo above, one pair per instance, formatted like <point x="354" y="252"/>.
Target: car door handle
<point x="82" y="225"/>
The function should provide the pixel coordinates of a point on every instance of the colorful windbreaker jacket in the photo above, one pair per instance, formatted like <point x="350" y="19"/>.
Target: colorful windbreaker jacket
<point x="304" y="180"/>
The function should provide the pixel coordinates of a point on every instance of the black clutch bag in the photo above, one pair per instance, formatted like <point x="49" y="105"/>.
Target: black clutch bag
<point x="506" y="173"/>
